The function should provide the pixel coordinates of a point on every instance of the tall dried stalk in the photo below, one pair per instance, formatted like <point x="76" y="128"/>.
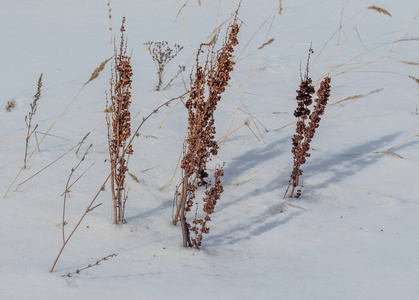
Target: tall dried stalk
<point x="119" y="126"/>
<point x="209" y="83"/>
<point x="307" y="122"/>
<point x="28" y="118"/>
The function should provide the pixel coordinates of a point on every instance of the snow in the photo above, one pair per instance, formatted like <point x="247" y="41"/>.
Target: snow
<point x="351" y="235"/>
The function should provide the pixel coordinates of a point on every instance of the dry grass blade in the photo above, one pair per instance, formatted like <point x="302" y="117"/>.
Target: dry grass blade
<point x="180" y="10"/>
<point x="405" y="141"/>
<point x="356" y="97"/>
<point x="414" y="78"/>
<point x="285" y="126"/>
<point x="16" y="138"/>
<point x="244" y="177"/>
<point x="248" y="126"/>
<point x="368" y="190"/>
<point x="171" y="111"/>
<point x="380" y="10"/>
<point x="295" y="206"/>
<point x="184" y="24"/>
<point x="326" y="70"/>
<point x="411" y="63"/>
<point x="404" y="32"/>
<point x="45" y="167"/>
<point x="391" y="153"/>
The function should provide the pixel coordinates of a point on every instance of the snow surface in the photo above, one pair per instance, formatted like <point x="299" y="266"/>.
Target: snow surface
<point x="352" y="235"/>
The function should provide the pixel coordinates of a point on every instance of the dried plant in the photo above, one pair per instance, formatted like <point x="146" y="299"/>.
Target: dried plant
<point x="89" y="266"/>
<point x="162" y="54"/>
<point x="209" y="82"/>
<point x="307" y="122"/>
<point x="380" y="10"/>
<point x="29" y="116"/>
<point x="89" y="208"/>
<point x="10" y="105"/>
<point x="119" y="125"/>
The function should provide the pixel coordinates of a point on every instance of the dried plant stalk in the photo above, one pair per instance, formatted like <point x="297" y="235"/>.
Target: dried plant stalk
<point x="89" y="266"/>
<point x="162" y="54"/>
<point x="307" y="122"/>
<point x="28" y="118"/>
<point x="119" y="126"/>
<point x="210" y="81"/>
<point x="88" y="209"/>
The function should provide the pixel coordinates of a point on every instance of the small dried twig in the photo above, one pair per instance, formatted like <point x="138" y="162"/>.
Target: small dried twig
<point x="89" y="266"/>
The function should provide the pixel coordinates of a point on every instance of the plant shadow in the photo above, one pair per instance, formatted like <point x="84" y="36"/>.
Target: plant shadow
<point x="253" y="158"/>
<point x="267" y="221"/>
